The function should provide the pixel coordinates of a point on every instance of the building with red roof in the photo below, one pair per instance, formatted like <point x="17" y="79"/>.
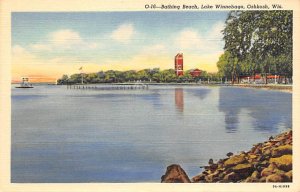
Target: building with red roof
<point x="195" y="72"/>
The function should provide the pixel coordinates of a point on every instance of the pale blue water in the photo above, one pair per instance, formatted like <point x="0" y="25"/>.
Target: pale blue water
<point x="61" y="135"/>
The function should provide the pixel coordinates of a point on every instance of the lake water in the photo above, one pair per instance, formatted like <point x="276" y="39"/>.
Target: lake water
<point x="62" y="135"/>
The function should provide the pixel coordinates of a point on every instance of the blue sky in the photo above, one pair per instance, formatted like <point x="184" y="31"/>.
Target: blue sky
<point x="52" y="44"/>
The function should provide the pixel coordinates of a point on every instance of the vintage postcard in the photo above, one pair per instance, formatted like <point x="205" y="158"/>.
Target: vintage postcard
<point x="149" y="95"/>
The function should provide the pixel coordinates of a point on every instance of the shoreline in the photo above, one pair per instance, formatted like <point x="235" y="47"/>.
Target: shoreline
<point x="269" y="161"/>
<point x="283" y="88"/>
<point x="274" y="87"/>
<point x="277" y="87"/>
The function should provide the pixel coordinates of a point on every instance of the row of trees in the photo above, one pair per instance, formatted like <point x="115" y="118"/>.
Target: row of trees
<point x="257" y="42"/>
<point x="145" y="75"/>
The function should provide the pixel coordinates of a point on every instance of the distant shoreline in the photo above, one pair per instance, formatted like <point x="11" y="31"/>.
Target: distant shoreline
<point x="277" y="87"/>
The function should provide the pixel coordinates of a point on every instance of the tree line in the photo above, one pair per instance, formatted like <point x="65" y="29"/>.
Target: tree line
<point x="257" y="42"/>
<point x="145" y="75"/>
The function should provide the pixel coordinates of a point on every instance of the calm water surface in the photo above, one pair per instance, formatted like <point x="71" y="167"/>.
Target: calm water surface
<point x="61" y="135"/>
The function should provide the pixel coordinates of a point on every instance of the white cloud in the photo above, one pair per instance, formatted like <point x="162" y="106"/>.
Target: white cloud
<point x="215" y="32"/>
<point x="17" y="49"/>
<point x="189" y="39"/>
<point x="214" y="38"/>
<point x="41" y="47"/>
<point x="123" y="33"/>
<point x="64" y="39"/>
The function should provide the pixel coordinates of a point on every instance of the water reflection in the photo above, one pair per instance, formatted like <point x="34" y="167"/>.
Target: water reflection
<point x="202" y="93"/>
<point x="154" y="98"/>
<point x="227" y="105"/>
<point x="179" y="99"/>
<point x="266" y="110"/>
<point x="231" y="120"/>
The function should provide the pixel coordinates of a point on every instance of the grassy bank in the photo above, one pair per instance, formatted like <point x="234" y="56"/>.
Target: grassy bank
<point x="278" y="87"/>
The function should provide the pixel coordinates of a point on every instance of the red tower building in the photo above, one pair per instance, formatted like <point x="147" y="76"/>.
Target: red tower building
<point x="179" y="64"/>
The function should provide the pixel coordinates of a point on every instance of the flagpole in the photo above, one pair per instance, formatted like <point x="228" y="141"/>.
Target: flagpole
<point x="80" y="69"/>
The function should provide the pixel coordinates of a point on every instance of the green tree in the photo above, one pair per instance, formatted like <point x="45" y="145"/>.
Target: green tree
<point x="143" y="75"/>
<point x="167" y="75"/>
<point x="224" y="65"/>
<point x="63" y="80"/>
<point x="152" y="73"/>
<point x="75" y="78"/>
<point x="258" y="41"/>
<point x="130" y="75"/>
<point x="91" y="78"/>
<point x="234" y="42"/>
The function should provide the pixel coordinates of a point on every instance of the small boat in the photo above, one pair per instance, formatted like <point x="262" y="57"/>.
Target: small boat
<point x="25" y="83"/>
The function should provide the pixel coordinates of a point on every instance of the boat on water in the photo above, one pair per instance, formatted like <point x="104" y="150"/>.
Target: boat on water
<point x="25" y="83"/>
